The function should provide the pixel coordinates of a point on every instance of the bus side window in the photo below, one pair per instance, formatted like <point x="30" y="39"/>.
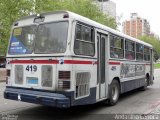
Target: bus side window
<point x="139" y="51"/>
<point x="147" y="53"/>
<point x="129" y="50"/>
<point x="84" y="41"/>
<point x="116" y="47"/>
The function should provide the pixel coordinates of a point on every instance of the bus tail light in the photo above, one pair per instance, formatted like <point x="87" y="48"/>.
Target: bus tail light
<point x="8" y="74"/>
<point x="64" y="80"/>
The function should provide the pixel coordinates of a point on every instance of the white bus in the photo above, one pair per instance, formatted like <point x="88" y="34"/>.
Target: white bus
<point x="62" y="59"/>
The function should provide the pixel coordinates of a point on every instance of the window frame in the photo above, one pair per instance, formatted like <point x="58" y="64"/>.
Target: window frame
<point x="133" y="51"/>
<point x="149" y="53"/>
<point x="141" y="53"/>
<point x="116" y="48"/>
<point x="52" y="23"/>
<point x="12" y="34"/>
<point x="85" y="41"/>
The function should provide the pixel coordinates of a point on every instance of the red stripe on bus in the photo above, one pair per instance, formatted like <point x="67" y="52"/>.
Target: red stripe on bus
<point x="51" y="62"/>
<point x="34" y="62"/>
<point x="114" y="63"/>
<point x="79" y="62"/>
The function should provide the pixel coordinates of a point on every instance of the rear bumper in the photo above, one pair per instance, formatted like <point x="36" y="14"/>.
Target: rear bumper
<point x="37" y="97"/>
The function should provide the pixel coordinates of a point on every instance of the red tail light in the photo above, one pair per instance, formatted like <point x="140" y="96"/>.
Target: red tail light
<point x="8" y="74"/>
<point x="64" y="75"/>
<point x="64" y="80"/>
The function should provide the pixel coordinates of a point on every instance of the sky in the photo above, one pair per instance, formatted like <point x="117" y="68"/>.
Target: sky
<point x="148" y="9"/>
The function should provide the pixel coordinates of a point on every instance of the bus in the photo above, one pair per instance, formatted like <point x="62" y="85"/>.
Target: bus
<point x="62" y="59"/>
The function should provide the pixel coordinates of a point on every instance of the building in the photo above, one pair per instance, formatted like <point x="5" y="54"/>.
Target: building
<point x="136" y="26"/>
<point x="108" y="7"/>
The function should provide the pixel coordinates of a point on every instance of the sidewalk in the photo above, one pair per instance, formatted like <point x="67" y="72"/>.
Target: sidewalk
<point x="2" y="74"/>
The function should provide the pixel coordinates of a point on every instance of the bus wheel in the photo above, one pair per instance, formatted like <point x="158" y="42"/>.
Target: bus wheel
<point x="146" y="84"/>
<point x="114" y="92"/>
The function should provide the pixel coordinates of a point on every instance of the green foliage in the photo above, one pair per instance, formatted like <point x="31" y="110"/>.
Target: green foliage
<point x="155" y="42"/>
<point x="83" y="7"/>
<point x="11" y="10"/>
<point x="157" y="65"/>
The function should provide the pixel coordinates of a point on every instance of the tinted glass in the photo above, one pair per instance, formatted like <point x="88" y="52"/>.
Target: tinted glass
<point x="84" y="42"/>
<point x="22" y="40"/>
<point x="51" y="38"/>
<point x="129" y="50"/>
<point x="83" y="48"/>
<point x="116" y="47"/>
<point x="146" y="53"/>
<point x="139" y="51"/>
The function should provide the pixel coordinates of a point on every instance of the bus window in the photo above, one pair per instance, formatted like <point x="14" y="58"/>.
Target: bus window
<point x="51" y="38"/>
<point x="116" y="47"/>
<point x="129" y="50"/>
<point x="146" y="53"/>
<point x="139" y="51"/>
<point x="22" y="40"/>
<point x="84" y="42"/>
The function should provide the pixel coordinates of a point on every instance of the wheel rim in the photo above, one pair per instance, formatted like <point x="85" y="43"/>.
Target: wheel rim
<point x="114" y="92"/>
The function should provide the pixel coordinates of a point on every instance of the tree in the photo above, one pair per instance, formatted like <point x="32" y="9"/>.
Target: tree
<point x="83" y="7"/>
<point x="11" y="10"/>
<point x="156" y="56"/>
<point x="155" y="42"/>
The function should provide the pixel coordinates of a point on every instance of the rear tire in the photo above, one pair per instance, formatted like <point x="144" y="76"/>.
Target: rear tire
<point x="114" y="92"/>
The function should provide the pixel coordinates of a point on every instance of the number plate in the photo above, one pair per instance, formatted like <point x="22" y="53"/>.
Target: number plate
<point x="32" y="80"/>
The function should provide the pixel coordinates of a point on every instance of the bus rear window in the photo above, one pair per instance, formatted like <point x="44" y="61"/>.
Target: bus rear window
<point x="51" y="38"/>
<point x="22" y="40"/>
<point x="43" y="39"/>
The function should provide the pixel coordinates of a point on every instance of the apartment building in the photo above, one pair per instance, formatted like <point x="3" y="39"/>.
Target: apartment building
<point x="136" y="26"/>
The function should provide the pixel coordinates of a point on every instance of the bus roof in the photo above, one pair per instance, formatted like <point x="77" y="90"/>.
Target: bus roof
<point x="90" y="22"/>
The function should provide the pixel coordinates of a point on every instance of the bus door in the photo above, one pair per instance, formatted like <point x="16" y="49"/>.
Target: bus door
<point x="101" y="71"/>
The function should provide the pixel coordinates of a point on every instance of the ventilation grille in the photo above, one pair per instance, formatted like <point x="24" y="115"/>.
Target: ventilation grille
<point x="82" y="84"/>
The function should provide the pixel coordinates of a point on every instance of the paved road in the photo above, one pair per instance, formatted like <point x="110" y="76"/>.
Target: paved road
<point x="135" y="102"/>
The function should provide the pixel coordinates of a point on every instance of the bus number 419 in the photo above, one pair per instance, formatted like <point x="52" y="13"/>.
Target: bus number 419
<point x="32" y="68"/>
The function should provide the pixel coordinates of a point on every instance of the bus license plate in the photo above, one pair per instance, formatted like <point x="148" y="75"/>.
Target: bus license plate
<point x="32" y="80"/>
